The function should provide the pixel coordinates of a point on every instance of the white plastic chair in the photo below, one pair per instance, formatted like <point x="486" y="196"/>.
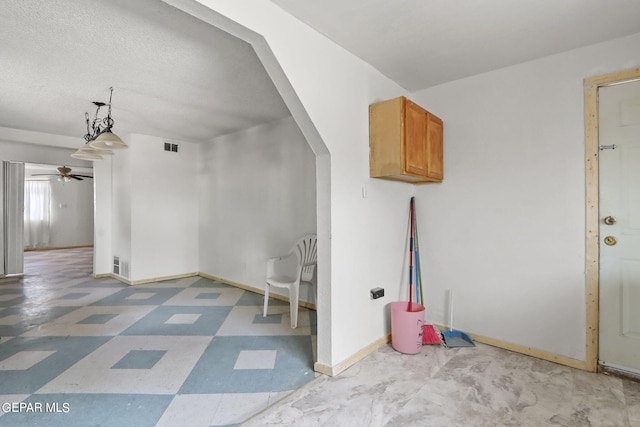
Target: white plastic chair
<point x="278" y="275"/>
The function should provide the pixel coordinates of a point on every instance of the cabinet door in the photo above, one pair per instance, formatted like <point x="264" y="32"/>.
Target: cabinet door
<point x="415" y="140"/>
<point x="434" y="147"/>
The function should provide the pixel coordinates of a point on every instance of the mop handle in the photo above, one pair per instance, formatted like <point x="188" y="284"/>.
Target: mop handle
<point x="451" y="310"/>
<point x="410" y="254"/>
<point x="416" y="244"/>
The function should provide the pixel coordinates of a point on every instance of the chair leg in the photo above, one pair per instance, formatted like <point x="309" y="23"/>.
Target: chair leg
<point x="266" y="300"/>
<point x="293" y="302"/>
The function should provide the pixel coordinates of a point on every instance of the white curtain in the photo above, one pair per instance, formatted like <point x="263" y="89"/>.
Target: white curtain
<point x="13" y="207"/>
<point x="37" y="221"/>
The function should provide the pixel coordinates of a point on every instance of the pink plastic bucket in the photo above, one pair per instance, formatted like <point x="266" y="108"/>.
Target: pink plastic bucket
<point x="406" y="327"/>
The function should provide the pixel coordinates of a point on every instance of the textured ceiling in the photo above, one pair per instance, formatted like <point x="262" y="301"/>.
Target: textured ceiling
<point x="176" y="77"/>
<point x="173" y="76"/>
<point x="422" y="43"/>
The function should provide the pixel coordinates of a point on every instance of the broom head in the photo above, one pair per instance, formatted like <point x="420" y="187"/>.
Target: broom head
<point x="430" y="336"/>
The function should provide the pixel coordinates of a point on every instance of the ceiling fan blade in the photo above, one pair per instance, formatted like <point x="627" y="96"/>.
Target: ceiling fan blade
<point x="45" y="174"/>
<point x="75" y="177"/>
<point x="84" y="176"/>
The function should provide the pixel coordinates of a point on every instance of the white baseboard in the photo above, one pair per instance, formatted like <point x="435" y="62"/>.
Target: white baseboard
<point x="352" y="360"/>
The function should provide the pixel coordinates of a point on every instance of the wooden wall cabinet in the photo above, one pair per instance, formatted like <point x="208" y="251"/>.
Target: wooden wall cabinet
<point x="405" y="142"/>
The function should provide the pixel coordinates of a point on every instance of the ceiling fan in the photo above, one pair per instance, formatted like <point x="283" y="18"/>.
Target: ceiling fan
<point x="65" y="175"/>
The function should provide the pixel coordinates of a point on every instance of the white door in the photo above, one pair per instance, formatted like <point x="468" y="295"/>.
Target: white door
<point x="619" y="166"/>
<point x="13" y="216"/>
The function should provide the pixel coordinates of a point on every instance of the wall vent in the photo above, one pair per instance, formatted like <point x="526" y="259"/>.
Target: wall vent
<point x="124" y="269"/>
<point x="171" y="147"/>
<point x="116" y="265"/>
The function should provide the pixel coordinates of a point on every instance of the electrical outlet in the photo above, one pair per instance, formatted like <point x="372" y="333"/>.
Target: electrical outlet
<point x="377" y="293"/>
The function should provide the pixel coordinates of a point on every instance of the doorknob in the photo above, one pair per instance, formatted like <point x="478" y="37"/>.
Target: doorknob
<point x="610" y="240"/>
<point x="610" y="220"/>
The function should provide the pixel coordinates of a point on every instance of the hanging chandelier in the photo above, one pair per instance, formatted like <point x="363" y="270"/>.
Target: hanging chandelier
<point x="99" y="139"/>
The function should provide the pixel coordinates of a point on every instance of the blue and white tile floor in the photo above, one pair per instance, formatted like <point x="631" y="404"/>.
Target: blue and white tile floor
<point x="78" y="351"/>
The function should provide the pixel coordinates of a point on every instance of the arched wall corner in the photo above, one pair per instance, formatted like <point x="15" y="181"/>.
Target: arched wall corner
<point x="323" y="158"/>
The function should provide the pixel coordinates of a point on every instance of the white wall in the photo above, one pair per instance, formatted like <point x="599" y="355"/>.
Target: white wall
<point x="257" y="196"/>
<point x="71" y="213"/>
<point x="103" y="216"/>
<point x="506" y="228"/>
<point x="119" y="203"/>
<point x="153" y="210"/>
<point x="362" y="238"/>
<point x="42" y="139"/>
<point x="32" y="153"/>
<point x="164" y="208"/>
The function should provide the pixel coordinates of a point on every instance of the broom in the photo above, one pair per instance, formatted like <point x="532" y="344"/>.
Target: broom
<point x="411" y="227"/>
<point x="430" y="336"/>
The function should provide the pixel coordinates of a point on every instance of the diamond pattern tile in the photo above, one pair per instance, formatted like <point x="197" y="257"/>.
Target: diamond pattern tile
<point x="81" y="351"/>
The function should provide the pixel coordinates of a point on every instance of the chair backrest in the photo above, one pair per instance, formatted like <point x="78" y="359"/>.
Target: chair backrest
<point x="306" y="249"/>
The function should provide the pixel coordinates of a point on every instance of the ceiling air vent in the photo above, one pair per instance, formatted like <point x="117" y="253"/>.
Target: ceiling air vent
<point x="170" y="147"/>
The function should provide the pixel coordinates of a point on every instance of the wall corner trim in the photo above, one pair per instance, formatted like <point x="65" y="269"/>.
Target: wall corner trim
<point x="528" y="351"/>
<point x="144" y="281"/>
<point x="352" y="360"/>
<point x="256" y="290"/>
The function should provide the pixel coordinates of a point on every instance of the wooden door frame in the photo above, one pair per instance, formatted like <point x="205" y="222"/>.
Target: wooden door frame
<point x="592" y="218"/>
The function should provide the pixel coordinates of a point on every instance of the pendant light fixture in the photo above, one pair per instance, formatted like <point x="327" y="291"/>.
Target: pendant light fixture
<point x="99" y="134"/>
<point x="88" y="153"/>
<point x="86" y="156"/>
<point x="99" y="139"/>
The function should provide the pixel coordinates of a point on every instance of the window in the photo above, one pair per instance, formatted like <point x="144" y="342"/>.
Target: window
<point x="37" y="201"/>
